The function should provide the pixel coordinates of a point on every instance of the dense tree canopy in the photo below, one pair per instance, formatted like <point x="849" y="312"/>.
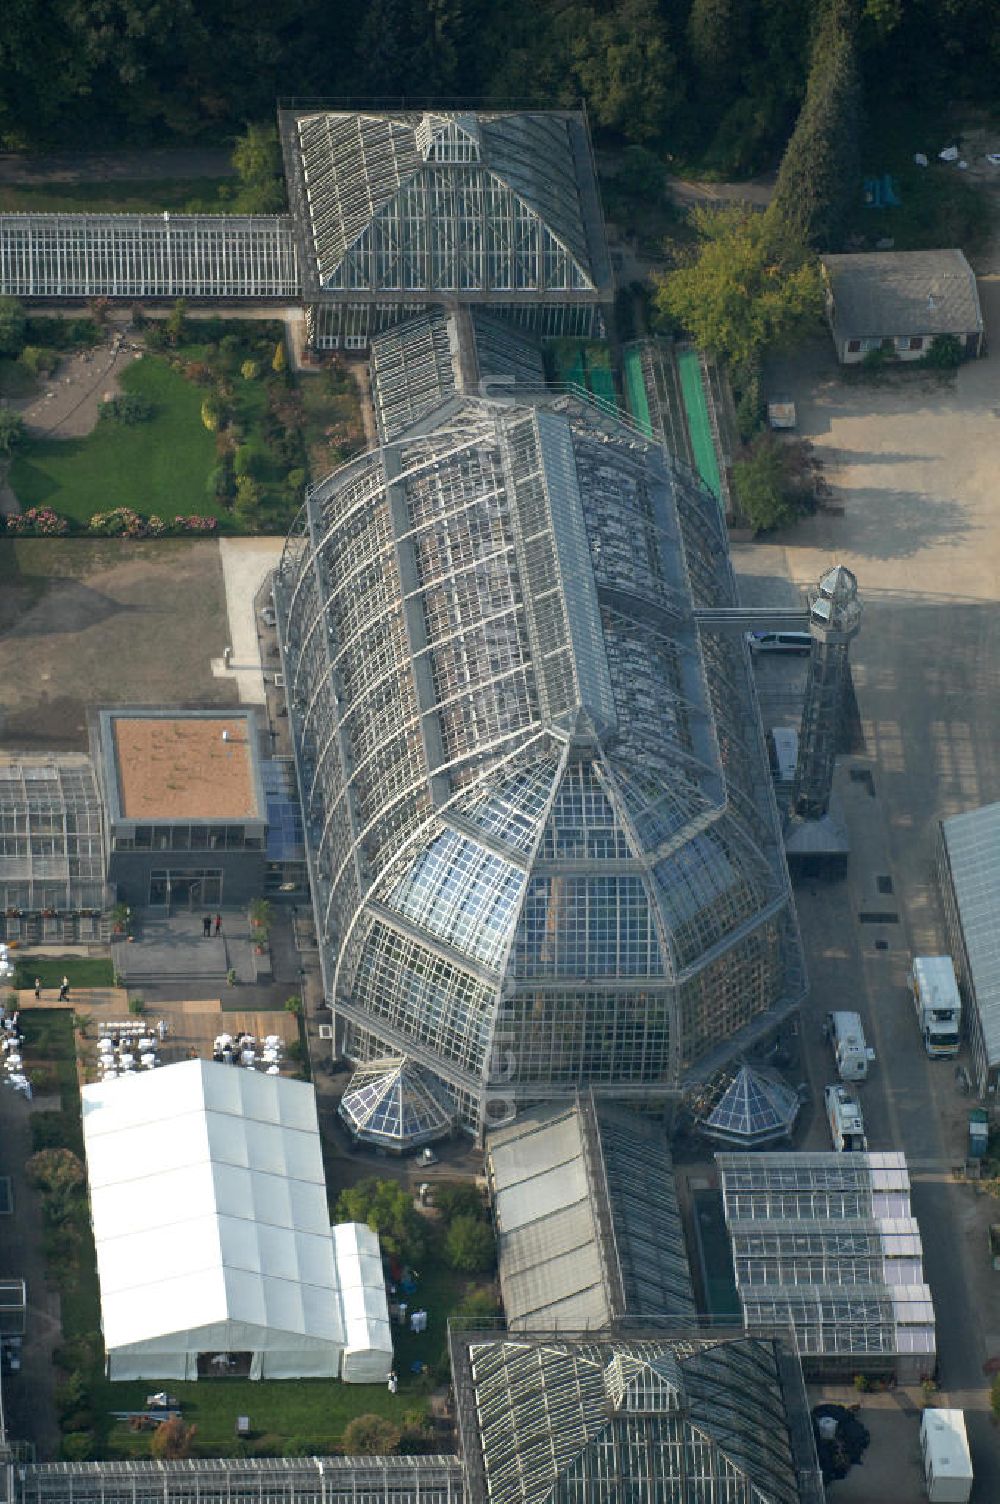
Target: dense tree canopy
<point x="719" y="81"/>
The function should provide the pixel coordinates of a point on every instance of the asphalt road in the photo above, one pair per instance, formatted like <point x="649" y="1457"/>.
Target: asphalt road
<point x="913" y="474"/>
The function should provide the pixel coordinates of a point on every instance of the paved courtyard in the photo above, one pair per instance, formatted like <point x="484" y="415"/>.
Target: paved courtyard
<point x="102" y="622"/>
<point x="913" y="511"/>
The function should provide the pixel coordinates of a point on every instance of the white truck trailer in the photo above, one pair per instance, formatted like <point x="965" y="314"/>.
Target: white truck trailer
<point x="846" y="1034"/>
<point x="938" y="1004"/>
<point x="947" y="1461"/>
<point x="847" y="1126"/>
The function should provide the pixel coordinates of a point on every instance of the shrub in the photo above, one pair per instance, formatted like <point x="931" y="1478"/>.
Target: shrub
<point x="155" y="526"/>
<point x="211" y="413"/>
<point x="199" y="372"/>
<point x="945" y="353"/>
<point x="478" y="1307"/>
<point x="38" y="361"/>
<point x="249" y="370"/>
<point x="55" y="1169"/>
<point x="128" y="409"/>
<point x="137" y="1006"/>
<point x="78" y="1446"/>
<point x="13" y="433"/>
<point x="172" y="1440"/>
<point x="38" y="522"/>
<point x="279" y="361"/>
<point x="195" y="524"/>
<point x="138" y="316"/>
<point x="295" y="481"/>
<point x="772" y="482"/>
<point x="120" y="522"/>
<point x="52" y="1130"/>
<point x="371" y="1436"/>
<point x="247" y="460"/>
<point x="388" y="1209"/>
<point x="175" y="326"/>
<point x="458" y="1199"/>
<point x="13" y="327"/>
<point x="468" y="1245"/>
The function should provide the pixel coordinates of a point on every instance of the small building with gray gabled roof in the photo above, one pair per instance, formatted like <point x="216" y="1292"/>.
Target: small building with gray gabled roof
<point x="901" y="302"/>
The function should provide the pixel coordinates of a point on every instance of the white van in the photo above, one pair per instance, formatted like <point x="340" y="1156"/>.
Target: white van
<point x="850" y="1049"/>
<point x="847" y="1126"/>
<point x="783" y="752"/>
<point x="779" y="642"/>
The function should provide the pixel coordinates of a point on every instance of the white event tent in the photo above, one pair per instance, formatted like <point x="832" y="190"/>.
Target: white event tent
<point x="214" y="1246"/>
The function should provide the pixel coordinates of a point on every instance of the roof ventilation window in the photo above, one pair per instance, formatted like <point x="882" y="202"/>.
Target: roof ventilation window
<point x="448" y="138"/>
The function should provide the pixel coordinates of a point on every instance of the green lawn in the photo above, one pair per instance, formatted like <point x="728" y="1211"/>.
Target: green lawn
<point x="160" y="466"/>
<point x="83" y="971"/>
<point x="15" y="380"/>
<point x="199" y="196"/>
<point x="301" y="1415"/>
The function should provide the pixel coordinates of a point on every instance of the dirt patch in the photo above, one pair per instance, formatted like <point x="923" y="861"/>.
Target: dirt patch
<point x="181" y="769"/>
<point x="66" y="404"/>
<point x="89" y="622"/>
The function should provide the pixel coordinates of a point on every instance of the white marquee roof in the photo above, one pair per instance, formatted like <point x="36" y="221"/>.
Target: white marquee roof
<point x="210" y="1215"/>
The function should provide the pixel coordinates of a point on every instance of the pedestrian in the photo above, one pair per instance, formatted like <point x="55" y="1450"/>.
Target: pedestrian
<point x="38" y="989"/>
<point x="206" y="927"/>
<point x="161" y="1029"/>
<point x="64" y="990"/>
<point x="218" y="924"/>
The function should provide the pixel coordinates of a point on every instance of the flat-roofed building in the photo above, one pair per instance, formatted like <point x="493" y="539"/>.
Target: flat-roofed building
<point x="186" y="809"/>
<point x="969" y="879"/>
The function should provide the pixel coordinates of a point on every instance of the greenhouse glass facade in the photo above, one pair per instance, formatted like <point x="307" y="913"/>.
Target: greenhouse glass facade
<point x="147" y="256"/>
<point x="709" y="1422"/>
<point x="542" y="840"/>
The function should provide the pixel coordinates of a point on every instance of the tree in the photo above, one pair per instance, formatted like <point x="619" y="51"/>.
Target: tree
<point x="769" y="487"/>
<point x="820" y="174"/>
<point x="388" y="1209"/>
<point x="13" y="325"/>
<point x="371" y="1436"/>
<point x="12" y="430"/>
<point x="55" y="1170"/>
<point x="458" y="1199"/>
<point x="175" y="322"/>
<point x="717" y="41"/>
<point x="278" y="361"/>
<point x="172" y="1440"/>
<point x="257" y="160"/>
<point x="743" y="290"/>
<point x="626" y="68"/>
<point x="468" y="1245"/>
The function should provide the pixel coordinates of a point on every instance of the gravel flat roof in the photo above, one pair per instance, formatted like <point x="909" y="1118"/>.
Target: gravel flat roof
<point x="182" y="768"/>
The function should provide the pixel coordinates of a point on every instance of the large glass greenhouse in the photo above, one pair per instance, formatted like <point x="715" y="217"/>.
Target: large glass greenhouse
<point x="709" y="1422"/>
<point x="397" y="210"/>
<point x="542" y="840"/>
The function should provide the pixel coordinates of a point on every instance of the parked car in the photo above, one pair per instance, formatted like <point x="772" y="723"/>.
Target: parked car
<point x="779" y="642"/>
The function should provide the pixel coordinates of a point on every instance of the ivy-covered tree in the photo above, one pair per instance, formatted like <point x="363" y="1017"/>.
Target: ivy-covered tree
<point x="820" y="174"/>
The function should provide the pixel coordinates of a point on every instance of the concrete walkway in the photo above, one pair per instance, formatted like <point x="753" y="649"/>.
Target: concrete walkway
<point x="246" y="562"/>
